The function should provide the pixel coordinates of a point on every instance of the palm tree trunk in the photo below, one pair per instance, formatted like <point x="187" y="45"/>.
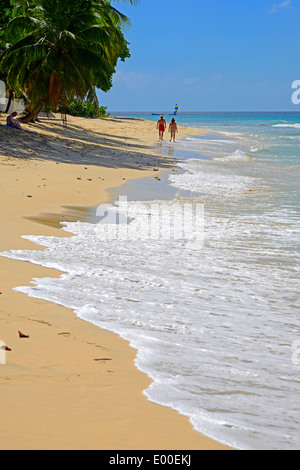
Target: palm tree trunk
<point x="32" y="115"/>
<point x="10" y="98"/>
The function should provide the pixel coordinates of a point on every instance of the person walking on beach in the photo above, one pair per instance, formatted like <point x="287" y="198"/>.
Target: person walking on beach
<point x="12" y="122"/>
<point x="161" y="126"/>
<point x="173" y="129"/>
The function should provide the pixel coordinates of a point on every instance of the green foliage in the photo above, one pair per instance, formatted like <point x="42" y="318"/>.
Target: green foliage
<point x="5" y="7"/>
<point x="86" y="108"/>
<point x="53" y="51"/>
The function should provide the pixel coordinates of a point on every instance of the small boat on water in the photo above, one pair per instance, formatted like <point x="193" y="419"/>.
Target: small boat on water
<point x="173" y="114"/>
<point x="175" y="111"/>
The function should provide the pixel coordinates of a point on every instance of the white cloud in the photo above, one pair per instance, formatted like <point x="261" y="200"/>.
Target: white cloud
<point x="132" y="79"/>
<point x="190" y="81"/>
<point x="279" y="6"/>
<point x="218" y="77"/>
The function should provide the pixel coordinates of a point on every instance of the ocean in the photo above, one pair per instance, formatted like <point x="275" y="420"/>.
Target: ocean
<point x="214" y="318"/>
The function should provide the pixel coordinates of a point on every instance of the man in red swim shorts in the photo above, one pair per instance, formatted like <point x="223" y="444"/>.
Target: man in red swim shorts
<point x="161" y="126"/>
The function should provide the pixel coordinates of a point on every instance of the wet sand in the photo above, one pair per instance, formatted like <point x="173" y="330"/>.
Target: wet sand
<point x="71" y="385"/>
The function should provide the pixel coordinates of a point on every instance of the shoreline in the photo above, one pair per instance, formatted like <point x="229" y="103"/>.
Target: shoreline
<point x="72" y="385"/>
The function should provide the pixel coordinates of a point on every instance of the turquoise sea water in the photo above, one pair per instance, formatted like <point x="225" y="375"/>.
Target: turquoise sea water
<point x="215" y="326"/>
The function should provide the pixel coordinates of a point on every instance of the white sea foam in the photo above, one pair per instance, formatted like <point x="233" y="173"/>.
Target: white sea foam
<point x="210" y="179"/>
<point x="238" y="155"/>
<point x="289" y="125"/>
<point x="213" y="325"/>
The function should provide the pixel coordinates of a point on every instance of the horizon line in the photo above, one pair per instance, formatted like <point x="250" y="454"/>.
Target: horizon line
<point x="184" y="112"/>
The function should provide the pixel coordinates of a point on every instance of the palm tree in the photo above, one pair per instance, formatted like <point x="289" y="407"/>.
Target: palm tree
<point x="4" y="17"/>
<point x="4" y="11"/>
<point x="59" y="50"/>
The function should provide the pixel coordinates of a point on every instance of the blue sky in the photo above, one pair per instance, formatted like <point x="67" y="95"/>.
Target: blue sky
<point x="208" y="55"/>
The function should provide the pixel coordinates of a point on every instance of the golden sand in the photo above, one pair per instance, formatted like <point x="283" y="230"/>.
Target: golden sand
<point x="71" y="385"/>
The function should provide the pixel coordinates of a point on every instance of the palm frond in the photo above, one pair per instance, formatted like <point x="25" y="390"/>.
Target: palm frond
<point x="57" y="50"/>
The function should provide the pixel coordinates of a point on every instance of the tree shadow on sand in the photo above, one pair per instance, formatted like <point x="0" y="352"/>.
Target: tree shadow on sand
<point x="50" y="141"/>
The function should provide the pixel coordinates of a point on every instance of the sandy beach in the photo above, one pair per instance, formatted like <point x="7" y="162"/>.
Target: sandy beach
<point x="71" y="385"/>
